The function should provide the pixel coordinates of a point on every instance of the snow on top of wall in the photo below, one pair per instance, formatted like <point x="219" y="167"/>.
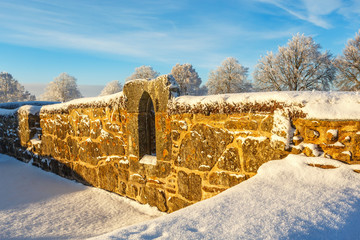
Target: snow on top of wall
<point x="13" y="105"/>
<point x="87" y="102"/>
<point x="7" y="112"/>
<point x="28" y="109"/>
<point x="314" y="104"/>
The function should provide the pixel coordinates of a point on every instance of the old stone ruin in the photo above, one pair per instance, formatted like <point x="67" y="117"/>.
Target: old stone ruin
<point x="149" y="145"/>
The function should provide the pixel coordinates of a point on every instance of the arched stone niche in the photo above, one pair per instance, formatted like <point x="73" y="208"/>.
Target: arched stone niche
<point x="146" y="126"/>
<point x="147" y="108"/>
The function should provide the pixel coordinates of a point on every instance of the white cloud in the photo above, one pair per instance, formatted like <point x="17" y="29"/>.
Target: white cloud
<point x="126" y="31"/>
<point x="313" y="11"/>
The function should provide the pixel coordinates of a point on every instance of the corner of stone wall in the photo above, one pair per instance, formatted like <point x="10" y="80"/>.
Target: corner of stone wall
<point x="21" y="132"/>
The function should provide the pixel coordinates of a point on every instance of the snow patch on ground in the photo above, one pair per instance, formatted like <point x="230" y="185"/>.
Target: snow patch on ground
<point x="35" y="204"/>
<point x="287" y="199"/>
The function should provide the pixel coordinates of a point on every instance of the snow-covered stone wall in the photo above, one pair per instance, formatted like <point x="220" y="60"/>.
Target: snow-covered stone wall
<point x="154" y="147"/>
<point x="20" y="130"/>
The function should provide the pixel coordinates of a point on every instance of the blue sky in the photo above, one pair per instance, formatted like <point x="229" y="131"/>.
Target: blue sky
<point x="98" y="41"/>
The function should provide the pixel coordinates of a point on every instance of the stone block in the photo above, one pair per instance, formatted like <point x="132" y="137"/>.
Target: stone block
<point x="176" y="203"/>
<point x="202" y="147"/>
<point x="154" y="197"/>
<point x="73" y="147"/>
<point x="179" y="125"/>
<point x="137" y="178"/>
<point x="242" y="124"/>
<point x="89" y="152"/>
<point x="311" y="134"/>
<point x="226" y="179"/>
<point x="175" y="135"/>
<point x="230" y="160"/>
<point x="312" y="150"/>
<point x="86" y="175"/>
<point x="161" y="169"/>
<point x="132" y="191"/>
<point x="266" y="125"/>
<point x="95" y="129"/>
<point x="84" y="125"/>
<point x="111" y="145"/>
<point x="108" y="177"/>
<point x="121" y="188"/>
<point x="112" y="127"/>
<point x="99" y="113"/>
<point x="255" y="152"/>
<point x="189" y="186"/>
<point x="344" y="156"/>
<point x="332" y="135"/>
<point x="213" y="190"/>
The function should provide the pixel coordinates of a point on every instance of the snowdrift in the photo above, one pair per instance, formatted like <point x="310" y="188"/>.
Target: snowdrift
<point x="287" y="199"/>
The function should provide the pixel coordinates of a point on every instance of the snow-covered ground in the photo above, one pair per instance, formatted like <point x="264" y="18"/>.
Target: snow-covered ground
<point x="287" y="199"/>
<point x="35" y="204"/>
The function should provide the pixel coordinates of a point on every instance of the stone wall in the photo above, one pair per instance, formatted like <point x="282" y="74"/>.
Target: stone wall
<point x="337" y="139"/>
<point x="19" y="132"/>
<point x="144" y="145"/>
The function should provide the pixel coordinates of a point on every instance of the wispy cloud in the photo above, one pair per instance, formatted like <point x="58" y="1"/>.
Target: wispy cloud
<point x="315" y="12"/>
<point x="126" y="30"/>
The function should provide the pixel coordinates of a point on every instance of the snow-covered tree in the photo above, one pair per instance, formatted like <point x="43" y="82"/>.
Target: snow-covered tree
<point x="298" y="66"/>
<point x="187" y="78"/>
<point x="348" y="65"/>
<point x="11" y="90"/>
<point x="203" y="90"/>
<point x="111" y="88"/>
<point x="63" y="88"/>
<point x="230" y="77"/>
<point x="143" y="72"/>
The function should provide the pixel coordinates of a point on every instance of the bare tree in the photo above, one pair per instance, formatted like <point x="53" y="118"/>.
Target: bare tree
<point x="11" y="90"/>
<point x="187" y="78"/>
<point x="298" y="66"/>
<point x="348" y="65"/>
<point x="111" y="88"/>
<point x="64" y="88"/>
<point x="230" y="77"/>
<point x="143" y="72"/>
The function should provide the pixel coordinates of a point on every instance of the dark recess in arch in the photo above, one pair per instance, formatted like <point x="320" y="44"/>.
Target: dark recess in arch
<point x="146" y="126"/>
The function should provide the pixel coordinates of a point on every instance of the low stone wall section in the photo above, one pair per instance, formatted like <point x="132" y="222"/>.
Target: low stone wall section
<point x="202" y="147"/>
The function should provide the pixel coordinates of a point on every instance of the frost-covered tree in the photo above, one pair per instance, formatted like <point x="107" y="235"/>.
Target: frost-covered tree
<point x="298" y="66"/>
<point x="63" y="88"/>
<point x="143" y="72"/>
<point x="203" y="90"/>
<point x="230" y="77"/>
<point x="11" y="90"/>
<point x="111" y="88"/>
<point x="187" y="78"/>
<point x="348" y="65"/>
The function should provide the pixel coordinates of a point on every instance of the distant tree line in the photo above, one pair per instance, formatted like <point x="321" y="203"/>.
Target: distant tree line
<point x="297" y="66"/>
